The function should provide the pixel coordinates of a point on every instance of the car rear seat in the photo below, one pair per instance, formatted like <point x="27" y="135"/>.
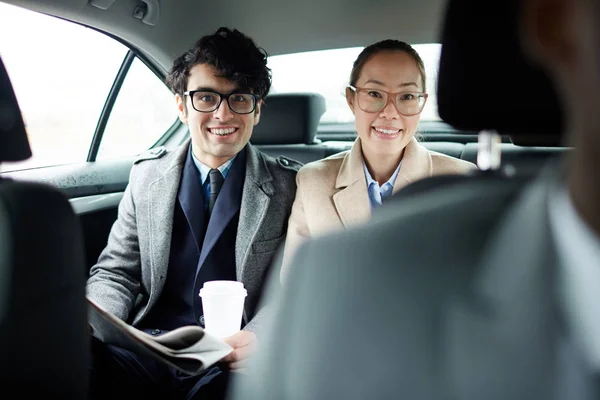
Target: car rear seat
<point x="449" y="148"/>
<point x="526" y="160"/>
<point x="289" y="124"/>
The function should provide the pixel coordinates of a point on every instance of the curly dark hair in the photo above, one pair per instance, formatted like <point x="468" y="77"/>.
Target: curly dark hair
<point x="386" y="45"/>
<point x="235" y="56"/>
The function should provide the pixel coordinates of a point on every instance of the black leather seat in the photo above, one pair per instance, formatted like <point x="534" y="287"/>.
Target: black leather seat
<point x="44" y="349"/>
<point x="449" y="148"/>
<point x="288" y="125"/>
<point x="525" y="159"/>
<point x="481" y="61"/>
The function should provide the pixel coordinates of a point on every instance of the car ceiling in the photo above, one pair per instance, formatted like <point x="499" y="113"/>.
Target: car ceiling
<point x="279" y="26"/>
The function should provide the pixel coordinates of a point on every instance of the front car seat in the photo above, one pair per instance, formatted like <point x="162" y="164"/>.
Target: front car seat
<point x="44" y="349"/>
<point x="481" y="64"/>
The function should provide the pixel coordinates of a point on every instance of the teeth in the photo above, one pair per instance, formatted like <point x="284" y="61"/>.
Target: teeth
<point x="222" y="132"/>
<point x="387" y="131"/>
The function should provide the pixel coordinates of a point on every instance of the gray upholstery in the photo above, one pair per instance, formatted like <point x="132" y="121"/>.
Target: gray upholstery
<point x="43" y="317"/>
<point x="289" y="119"/>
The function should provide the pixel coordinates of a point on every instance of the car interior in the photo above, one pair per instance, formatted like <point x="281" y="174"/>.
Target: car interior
<point x="470" y="85"/>
<point x="42" y="283"/>
<point x="465" y="29"/>
<point x="290" y="123"/>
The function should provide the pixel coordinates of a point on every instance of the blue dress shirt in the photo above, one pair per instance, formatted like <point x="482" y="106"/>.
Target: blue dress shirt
<point x="378" y="193"/>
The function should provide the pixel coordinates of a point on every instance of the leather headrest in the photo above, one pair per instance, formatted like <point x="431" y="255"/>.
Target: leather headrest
<point x="289" y="119"/>
<point x="14" y="145"/>
<point x="486" y="82"/>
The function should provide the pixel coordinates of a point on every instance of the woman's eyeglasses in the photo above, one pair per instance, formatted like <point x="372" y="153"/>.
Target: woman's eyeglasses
<point x="375" y="100"/>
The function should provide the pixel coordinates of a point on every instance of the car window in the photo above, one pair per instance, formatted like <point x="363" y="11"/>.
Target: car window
<point x="328" y="72"/>
<point x="144" y="110"/>
<point x="62" y="74"/>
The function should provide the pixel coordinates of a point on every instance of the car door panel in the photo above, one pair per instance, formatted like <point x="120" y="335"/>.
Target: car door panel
<point x="94" y="190"/>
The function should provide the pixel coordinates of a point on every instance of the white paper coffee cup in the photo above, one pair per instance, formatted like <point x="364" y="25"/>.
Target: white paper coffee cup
<point x="223" y="305"/>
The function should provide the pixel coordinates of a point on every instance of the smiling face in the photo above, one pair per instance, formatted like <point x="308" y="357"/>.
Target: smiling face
<point x="219" y="135"/>
<point x="386" y="132"/>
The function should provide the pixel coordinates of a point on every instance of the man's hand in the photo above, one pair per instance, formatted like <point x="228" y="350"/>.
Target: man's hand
<point x="244" y="344"/>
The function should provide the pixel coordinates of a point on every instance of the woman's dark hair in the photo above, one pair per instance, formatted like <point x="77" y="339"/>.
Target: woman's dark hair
<point x="234" y="55"/>
<point x="386" y="45"/>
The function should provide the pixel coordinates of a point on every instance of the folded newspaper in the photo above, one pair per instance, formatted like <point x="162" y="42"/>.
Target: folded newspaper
<point x="189" y="349"/>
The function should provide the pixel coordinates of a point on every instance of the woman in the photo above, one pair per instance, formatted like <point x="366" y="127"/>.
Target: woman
<point x="386" y="95"/>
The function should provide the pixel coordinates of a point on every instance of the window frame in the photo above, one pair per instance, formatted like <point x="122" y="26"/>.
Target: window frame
<point x="132" y="53"/>
<point x="130" y="56"/>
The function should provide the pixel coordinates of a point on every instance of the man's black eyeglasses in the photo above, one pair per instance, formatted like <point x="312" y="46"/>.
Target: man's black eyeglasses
<point x="208" y="101"/>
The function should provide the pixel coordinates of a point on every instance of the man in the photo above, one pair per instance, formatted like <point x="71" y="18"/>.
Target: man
<point x="457" y="293"/>
<point x="214" y="209"/>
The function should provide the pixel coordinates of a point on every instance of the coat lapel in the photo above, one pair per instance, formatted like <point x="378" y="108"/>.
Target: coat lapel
<point x="191" y="199"/>
<point x="226" y="206"/>
<point x="352" y="200"/>
<point x="256" y="196"/>
<point x="416" y="165"/>
<point x="501" y="342"/>
<point x="162" y="194"/>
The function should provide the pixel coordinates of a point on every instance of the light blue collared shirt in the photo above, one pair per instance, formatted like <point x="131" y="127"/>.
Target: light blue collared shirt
<point x="378" y="193"/>
<point x="204" y="171"/>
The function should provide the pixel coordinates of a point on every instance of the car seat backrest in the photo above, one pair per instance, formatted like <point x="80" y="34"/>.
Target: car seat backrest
<point x="44" y="341"/>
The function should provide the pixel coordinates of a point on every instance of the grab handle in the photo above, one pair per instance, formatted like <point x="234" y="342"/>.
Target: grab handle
<point x="149" y="12"/>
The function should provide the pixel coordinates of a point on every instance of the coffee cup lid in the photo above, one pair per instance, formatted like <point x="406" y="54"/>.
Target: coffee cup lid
<point x="223" y="288"/>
